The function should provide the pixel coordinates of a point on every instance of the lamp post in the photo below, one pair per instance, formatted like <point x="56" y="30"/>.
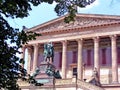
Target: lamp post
<point x="76" y="81"/>
<point x="84" y="71"/>
<point x="53" y="83"/>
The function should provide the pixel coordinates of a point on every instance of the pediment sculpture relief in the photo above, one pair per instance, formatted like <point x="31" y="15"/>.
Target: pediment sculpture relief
<point x="79" y="22"/>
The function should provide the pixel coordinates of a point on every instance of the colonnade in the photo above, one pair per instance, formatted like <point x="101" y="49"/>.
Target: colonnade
<point x="79" y="62"/>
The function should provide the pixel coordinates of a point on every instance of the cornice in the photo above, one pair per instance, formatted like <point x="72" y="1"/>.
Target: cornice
<point x="80" y="28"/>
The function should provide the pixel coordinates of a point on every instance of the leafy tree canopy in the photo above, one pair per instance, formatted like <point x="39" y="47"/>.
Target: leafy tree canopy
<point x="11" y="39"/>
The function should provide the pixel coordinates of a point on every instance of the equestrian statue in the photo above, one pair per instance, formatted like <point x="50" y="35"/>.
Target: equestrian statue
<point x="49" y="58"/>
<point x="50" y="70"/>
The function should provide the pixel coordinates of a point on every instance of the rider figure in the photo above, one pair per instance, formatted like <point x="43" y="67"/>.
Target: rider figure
<point x="48" y="52"/>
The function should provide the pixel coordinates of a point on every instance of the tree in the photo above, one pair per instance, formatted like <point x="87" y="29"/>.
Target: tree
<point x="11" y="39"/>
<point x="70" y="7"/>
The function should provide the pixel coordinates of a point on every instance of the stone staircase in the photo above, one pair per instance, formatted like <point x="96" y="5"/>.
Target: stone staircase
<point x="79" y="84"/>
<point x="88" y="86"/>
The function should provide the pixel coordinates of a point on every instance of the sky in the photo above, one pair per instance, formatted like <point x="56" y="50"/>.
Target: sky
<point x="45" y="12"/>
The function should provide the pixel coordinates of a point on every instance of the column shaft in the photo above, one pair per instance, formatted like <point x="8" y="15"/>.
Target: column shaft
<point x="29" y="60"/>
<point x="35" y="56"/>
<point x="64" y="58"/>
<point x="114" y="60"/>
<point x="96" y="55"/>
<point x="79" y="63"/>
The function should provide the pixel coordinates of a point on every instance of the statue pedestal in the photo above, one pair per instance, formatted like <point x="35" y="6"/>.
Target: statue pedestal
<point x="43" y="77"/>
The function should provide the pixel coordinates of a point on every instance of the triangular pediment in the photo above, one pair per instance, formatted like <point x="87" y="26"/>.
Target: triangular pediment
<point x="82" y="20"/>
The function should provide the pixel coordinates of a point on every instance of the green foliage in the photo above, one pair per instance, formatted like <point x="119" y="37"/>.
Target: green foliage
<point x="11" y="39"/>
<point x="70" y="7"/>
<point x="10" y="69"/>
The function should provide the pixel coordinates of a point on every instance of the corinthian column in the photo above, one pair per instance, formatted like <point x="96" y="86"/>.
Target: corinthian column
<point x="64" y="58"/>
<point x="29" y="60"/>
<point x="96" y="55"/>
<point x="114" y="60"/>
<point x="35" y="56"/>
<point x="79" y="64"/>
<point x="22" y="56"/>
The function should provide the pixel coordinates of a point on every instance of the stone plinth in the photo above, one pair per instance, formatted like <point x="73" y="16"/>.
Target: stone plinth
<point x="43" y="77"/>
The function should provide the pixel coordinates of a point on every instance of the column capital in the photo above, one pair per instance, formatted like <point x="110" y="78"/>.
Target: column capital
<point x="96" y="39"/>
<point x="79" y="40"/>
<point x="64" y="41"/>
<point x="114" y="37"/>
<point x="36" y="45"/>
<point x="29" y="49"/>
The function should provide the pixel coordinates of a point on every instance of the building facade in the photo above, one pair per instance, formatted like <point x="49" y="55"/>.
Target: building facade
<point x="92" y="41"/>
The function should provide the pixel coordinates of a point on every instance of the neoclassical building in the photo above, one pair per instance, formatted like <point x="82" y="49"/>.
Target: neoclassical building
<point x="92" y="41"/>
